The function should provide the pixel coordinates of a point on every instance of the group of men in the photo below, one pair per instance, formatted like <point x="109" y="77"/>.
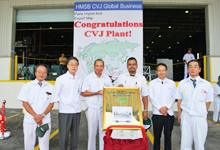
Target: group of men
<point x="194" y="96"/>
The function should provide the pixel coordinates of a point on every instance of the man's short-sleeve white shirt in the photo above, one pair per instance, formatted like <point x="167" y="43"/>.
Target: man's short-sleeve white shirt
<point x="162" y="94"/>
<point x="38" y="98"/>
<point x="216" y="93"/>
<point x="134" y="81"/>
<point x="93" y="83"/>
<point x="194" y="99"/>
<point x="188" y="57"/>
<point x="68" y="88"/>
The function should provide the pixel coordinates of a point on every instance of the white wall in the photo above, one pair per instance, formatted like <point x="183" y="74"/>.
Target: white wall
<point x="4" y="68"/>
<point x="215" y="70"/>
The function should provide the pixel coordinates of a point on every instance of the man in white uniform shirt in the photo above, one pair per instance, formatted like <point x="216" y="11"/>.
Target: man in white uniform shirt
<point x="194" y="96"/>
<point x="161" y="93"/>
<point x="186" y="58"/>
<point x="68" y="87"/>
<point x="134" y="79"/>
<point x="217" y="101"/>
<point x="92" y="90"/>
<point x="37" y="101"/>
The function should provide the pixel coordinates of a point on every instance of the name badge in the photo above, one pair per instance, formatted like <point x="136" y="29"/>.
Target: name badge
<point x="79" y="89"/>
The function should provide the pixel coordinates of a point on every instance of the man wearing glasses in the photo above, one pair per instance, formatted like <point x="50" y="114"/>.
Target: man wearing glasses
<point x="194" y="96"/>
<point x="68" y="87"/>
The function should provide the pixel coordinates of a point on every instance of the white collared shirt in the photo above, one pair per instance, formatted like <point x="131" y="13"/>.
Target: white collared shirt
<point x="39" y="98"/>
<point x="216" y="93"/>
<point x="134" y="81"/>
<point x="188" y="57"/>
<point x="93" y="83"/>
<point x="68" y="88"/>
<point x="162" y="95"/>
<point x="194" y="99"/>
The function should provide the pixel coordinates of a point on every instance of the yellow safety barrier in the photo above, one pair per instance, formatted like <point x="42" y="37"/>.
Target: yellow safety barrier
<point x="39" y="59"/>
<point x="204" y="67"/>
<point x="16" y="67"/>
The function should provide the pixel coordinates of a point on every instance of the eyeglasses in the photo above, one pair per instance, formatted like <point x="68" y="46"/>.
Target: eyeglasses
<point x="193" y="67"/>
<point x="41" y="72"/>
<point x="73" y="65"/>
<point x="132" y="64"/>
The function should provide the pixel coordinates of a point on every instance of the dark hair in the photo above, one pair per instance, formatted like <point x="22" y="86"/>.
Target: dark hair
<point x="99" y="60"/>
<point x="70" y="58"/>
<point x="161" y="64"/>
<point x="39" y="66"/>
<point x="131" y="58"/>
<point x="200" y="66"/>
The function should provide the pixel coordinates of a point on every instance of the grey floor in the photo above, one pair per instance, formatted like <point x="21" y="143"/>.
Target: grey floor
<point x="15" y="142"/>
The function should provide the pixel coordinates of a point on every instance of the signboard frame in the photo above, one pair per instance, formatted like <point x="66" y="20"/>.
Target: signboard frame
<point x="121" y="97"/>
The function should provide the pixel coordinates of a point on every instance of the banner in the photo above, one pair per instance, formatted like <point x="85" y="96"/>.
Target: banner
<point x="111" y="31"/>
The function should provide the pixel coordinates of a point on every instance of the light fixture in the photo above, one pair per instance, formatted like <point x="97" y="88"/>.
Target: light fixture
<point x="150" y="50"/>
<point x="169" y="47"/>
<point x="62" y="36"/>
<point x="190" y="36"/>
<point x="159" y="35"/>
<point x="147" y="47"/>
<point x="186" y="11"/>
<point x="169" y="26"/>
<point x="177" y="42"/>
<point x="177" y="60"/>
<point x="50" y="28"/>
<point x="162" y="50"/>
<point x="152" y="42"/>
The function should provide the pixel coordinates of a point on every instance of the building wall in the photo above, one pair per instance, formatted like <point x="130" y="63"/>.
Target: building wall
<point x="10" y="90"/>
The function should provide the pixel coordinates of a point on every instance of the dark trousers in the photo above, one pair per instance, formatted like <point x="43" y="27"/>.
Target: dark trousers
<point x="68" y="123"/>
<point x="159" y="122"/>
<point x="63" y="69"/>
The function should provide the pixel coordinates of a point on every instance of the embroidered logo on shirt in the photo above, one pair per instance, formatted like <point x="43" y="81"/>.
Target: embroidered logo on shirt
<point x="203" y="93"/>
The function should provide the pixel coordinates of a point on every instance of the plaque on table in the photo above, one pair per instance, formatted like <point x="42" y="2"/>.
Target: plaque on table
<point x="121" y="106"/>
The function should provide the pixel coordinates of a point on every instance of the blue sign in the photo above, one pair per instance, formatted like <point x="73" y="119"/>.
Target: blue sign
<point x="95" y="6"/>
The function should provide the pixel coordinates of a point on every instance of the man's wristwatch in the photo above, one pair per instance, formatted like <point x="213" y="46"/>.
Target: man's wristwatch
<point x="146" y="110"/>
<point x="44" y="115"/>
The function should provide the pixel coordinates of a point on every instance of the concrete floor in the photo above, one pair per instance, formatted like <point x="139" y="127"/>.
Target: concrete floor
<point x="15" y="142"/>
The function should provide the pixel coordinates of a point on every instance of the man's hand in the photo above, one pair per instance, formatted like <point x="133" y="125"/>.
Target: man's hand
<point x="100" y="92"/>
<point x="38" y="118"/>
<point x="163" y="110"/>
<point x="179" y="117"/>
<point x="145" y="114"/>
<point x="120" y="85"/>
<point x="40" y="123"/>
